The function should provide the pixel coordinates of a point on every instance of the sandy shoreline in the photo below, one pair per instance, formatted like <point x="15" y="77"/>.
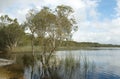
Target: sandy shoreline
<point x="11" y="72"/>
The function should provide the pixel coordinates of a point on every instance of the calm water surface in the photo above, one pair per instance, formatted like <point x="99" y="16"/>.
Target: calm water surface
<point x="106" y="61"/>
<point x="102" y="63"/>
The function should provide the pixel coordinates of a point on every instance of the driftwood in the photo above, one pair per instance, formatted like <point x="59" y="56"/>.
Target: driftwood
<point x="4" y="62"/>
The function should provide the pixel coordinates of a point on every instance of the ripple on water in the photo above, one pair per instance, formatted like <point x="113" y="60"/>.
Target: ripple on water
<point x="103" y="75"/>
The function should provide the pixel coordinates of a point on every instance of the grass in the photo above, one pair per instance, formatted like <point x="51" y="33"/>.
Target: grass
<point x="27" y="49"/>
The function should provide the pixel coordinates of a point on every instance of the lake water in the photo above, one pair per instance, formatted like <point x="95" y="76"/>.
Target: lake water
<point x="102" y="63"/>
<point x="96" y="63"/>
<point x="106" y="61"/>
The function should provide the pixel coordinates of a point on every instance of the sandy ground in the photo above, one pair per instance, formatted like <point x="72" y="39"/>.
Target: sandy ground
<point x="7" y="74"/>
<point x="4" y="74"/>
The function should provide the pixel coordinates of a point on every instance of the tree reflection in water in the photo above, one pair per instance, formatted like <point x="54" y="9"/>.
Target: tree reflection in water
<point x="66" y="68"/>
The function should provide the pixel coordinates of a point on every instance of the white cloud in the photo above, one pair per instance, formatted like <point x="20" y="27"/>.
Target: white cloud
<point x="118" y="8"/>
<point x="103" y="32"/>
<point x="106" y="31"/>
<point x="92" y="8"/>
<point x="80" y="6"/>
<point x="4" y="4"/>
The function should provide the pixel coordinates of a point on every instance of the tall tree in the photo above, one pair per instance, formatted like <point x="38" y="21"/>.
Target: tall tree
<point x="65" y="22"/>
<point x="29" y="25"/>
<point x="52" y="27"/>
<point x="10" y="32"/>
<point x="45" y="22"/>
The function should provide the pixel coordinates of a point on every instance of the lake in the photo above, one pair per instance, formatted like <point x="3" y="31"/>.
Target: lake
<point x="106" y="61"/>
<point x="95" y="63"/>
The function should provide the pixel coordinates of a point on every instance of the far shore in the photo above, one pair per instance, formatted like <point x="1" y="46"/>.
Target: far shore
<point x="27" y="49"/>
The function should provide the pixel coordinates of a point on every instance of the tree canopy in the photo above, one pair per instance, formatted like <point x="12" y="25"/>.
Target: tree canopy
<point x="10" y="33"/>
<point x="51" y="25"/>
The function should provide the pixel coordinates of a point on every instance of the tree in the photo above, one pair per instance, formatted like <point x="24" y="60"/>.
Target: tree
<point x="65" y="22"/>
<point x="45" y="22"/>
<point x="51" y="27"/>
<point x="29" y="25"/>
<point x="10" y="33"/>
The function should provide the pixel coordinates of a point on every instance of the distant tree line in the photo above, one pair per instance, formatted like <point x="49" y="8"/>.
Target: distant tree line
<point x="86" y="44"/>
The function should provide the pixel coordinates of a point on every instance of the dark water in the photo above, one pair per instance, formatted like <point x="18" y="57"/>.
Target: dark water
<point x="100" y="63"/>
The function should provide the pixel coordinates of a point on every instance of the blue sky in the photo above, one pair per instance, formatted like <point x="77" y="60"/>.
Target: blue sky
<point x="98" y="20"/>
<point x="107" y="8"/>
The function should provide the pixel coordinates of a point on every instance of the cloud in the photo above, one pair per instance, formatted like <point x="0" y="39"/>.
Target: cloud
<point x="118" y="8"/>
<point x="92" y="8"/>
<point x="18" y="7"/>
<point x="86" y="14"/>
<point x="103" y="32"/>
<point x="4" y="4"/>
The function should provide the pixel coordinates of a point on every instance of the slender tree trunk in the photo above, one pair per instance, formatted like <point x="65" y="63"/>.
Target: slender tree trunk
<point x="32" y="44"/>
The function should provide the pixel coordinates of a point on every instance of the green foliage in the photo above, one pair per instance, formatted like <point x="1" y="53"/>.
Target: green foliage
<point x="25" y="41"/>
<point x="50" y="27"/>
<point x="85" y="44"/>
<point x="70" y="62"/>
<point x="10" y="33"/>
<point x="28" y="60"/>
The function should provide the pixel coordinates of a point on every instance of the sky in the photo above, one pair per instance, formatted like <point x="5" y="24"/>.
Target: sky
<point x="97" y="20"/>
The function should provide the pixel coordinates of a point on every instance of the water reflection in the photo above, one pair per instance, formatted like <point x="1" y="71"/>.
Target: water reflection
<point x="85" y="64"/>
<point x="66" y="68"/>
